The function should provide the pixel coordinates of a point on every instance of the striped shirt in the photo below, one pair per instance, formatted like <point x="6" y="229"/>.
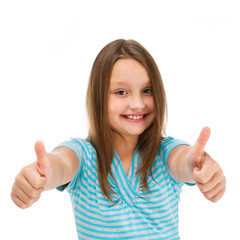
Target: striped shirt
<point x="133" y="213"/>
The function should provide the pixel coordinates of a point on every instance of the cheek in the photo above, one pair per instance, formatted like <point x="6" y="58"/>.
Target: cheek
<point x="113" y="109"/>
<point x="116" y="106"/>
<point x="150" y="104"/>
<point x="151" y="107"/>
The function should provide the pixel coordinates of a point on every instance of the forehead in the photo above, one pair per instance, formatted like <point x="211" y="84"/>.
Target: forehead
<point x="128" y="69"/>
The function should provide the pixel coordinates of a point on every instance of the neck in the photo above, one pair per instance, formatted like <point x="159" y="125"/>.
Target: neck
<point x="125" y="146"/>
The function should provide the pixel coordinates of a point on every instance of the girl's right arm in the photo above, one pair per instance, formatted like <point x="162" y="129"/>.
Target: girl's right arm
<point x="49" y="171"/>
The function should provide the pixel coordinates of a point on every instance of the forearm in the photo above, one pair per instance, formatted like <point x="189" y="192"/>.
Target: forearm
<point x="179" y="165"/>
<point x="55" y="172"/>
<point x="63" y="167"/>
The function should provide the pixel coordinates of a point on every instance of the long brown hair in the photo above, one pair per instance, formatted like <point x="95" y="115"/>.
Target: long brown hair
<point x="100" y="132"/>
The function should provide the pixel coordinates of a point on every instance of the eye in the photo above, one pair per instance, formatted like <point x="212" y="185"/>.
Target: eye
<point x="121" y="92"/>
<point x="148" y="91"/>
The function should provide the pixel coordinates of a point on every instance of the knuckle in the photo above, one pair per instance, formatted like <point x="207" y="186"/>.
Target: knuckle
<point x="202" y="179"/>
<point x="13" y="197"/>
<point x="27" y="205"/>
<point x="216" y="165"/>
<point x="25" y="170"/>
<point x="18" y="179"/>
<point x="22" y="205"/>
<point x="208" y="195"/>
<point x="32" y="201"/>
<point x="214" y="199"/>
<point x="37" y="198"/>
<point x="37" y="183"/>
<point x="224" y="180"/>
<point x="34" y="193"/>
<point x="29" y="202"/>
<point x="203" y="188"/>
<point x="224" y="189"/>
<point x="18" y="202"/>
<point x="13" y="189"/>
<point x="218" y="196"/>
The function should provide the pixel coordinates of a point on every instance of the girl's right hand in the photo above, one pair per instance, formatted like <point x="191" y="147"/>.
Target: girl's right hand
<point x="32" y="179"/>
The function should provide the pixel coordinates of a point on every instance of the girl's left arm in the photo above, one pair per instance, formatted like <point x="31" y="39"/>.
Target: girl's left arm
<point x="192" y="164"/>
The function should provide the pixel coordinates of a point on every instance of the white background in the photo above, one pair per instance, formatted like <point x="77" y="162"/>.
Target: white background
<point x="46" y="52"/>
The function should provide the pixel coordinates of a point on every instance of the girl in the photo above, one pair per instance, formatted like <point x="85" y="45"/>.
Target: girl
<point x="125" y="179"/>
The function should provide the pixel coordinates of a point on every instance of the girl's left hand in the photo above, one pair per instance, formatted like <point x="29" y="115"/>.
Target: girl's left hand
<point x="207" y="173"/>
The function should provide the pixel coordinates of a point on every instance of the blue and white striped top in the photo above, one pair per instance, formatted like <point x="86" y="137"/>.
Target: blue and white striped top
<point x="134" y="213"/>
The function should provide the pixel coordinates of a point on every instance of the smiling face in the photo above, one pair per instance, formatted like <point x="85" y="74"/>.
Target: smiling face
<point x="130" y="100"/>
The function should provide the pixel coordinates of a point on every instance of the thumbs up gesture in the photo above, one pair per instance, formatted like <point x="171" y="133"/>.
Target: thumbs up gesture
<point x="30" y="182"/>
<point x="207" y="173"/>
<point x="43" y="164"/>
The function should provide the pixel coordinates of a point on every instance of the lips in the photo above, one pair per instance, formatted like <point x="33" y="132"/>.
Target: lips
<point x="134" y="116"/>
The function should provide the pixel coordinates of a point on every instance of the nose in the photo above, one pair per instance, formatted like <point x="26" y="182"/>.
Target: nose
<point x="137" y="102"/>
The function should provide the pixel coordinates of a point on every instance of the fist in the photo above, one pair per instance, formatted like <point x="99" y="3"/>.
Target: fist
<point x="30" y="182"/>
<point x="207" y="173"/>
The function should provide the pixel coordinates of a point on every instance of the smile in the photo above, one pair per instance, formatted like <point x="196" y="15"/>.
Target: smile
<point x="134" y="117"/>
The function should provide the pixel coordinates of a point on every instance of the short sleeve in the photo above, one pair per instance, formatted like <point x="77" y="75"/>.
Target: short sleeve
<point x="76" y="146"/>
<point x="167" y="145"/>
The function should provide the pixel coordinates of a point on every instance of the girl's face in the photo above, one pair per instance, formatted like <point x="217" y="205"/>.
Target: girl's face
<point x="131" y="107"/>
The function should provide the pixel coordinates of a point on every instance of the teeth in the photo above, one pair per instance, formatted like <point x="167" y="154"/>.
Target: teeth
<point x="134" y="117"/>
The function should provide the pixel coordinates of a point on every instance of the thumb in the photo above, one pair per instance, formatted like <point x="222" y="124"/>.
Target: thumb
<point x="199" y="146"/>
<point x="42" y="160"/>
<point x="197" y="174"/>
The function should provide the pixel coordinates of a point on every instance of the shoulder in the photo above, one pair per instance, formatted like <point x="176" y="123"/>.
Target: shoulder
<point x="167" y="145"/>
<point x="85" y="143"/>
<point x="82" y="147"/>
<point x="170" y="143"/>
